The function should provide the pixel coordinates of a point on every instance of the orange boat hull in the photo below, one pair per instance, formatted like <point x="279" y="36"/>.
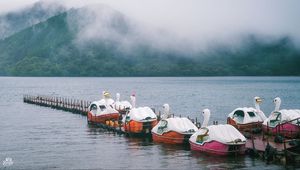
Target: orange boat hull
<point x="102" y="118"/>
<point x="139" y="127"/>
<point x="171" y="137"/>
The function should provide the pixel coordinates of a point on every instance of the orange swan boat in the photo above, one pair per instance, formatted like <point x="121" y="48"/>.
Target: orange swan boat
<point x="247" y="119"/>
<point x="139" y="120"/>
<point x="102" y="110"/>
<point x="174" y="130"/>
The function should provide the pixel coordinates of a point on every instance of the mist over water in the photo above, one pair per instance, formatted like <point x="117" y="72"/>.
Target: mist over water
<point x="201" y="24"/>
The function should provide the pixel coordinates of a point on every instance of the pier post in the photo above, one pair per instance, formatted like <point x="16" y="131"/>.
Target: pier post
<point x="285" y="151"/>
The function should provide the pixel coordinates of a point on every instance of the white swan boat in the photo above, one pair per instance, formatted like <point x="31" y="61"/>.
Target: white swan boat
<point x="247" y="118"/>
<point x="285" y="122"/>
<point x="139" y="120"/>
<point x="217" y="139"/>
<point x="174" y="130"/>
<point x="102" y="110"/>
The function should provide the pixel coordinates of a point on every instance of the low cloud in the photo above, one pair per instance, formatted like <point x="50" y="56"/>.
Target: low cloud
<point x="192" y="25"/>
<point x="15" y="21"/>
<point x="197" y="25"/>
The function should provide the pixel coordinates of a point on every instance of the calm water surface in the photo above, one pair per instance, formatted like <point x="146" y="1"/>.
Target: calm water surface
<point x="40" y="138"/>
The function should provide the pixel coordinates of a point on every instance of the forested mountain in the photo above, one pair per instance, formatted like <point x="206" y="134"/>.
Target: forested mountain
<point x="16" y="21"/>
<point x="82" y="42"/>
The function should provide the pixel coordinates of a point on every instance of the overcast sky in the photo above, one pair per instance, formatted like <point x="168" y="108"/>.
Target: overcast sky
<point x="203" y="19"/>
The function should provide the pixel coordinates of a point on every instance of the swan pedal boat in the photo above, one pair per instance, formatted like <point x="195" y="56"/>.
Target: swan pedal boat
<point x="217" y="139"/>
<point x="173" y="131"/>
<point x="139" y="120"/>
<point x="102" y="111"/>
<point x="285" y="122"/>
<point x="245" y="119"/>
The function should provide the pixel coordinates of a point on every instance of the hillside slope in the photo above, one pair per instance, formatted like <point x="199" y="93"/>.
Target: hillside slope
<point x="56" y="47"/>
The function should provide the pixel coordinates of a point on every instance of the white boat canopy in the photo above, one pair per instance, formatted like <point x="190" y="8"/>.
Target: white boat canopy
<point x="141" y="114"/>
<point x="226" y="134"/>
<point x="176" y="124"/>
<point x="245" y="115"/>
<point x="101" y="107"/>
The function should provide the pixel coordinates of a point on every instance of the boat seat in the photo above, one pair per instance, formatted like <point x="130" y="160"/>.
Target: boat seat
<point x="162" y="127"/>
<point x="275" y="121"/>
<point x="203" y="137"/>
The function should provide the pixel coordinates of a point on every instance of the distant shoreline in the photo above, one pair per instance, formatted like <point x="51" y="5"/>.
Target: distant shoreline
<point x="137" y="76"/>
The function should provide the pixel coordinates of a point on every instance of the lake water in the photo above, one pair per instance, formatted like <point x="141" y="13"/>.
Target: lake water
<point x="39" y="138"/>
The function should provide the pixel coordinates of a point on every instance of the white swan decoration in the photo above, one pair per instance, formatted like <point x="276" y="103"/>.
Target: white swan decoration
<point x="121" y="105"/>
<point x="106" y="98"/>
<point x="133" y="100"/>
<point x="166" y="113"/>
<point x="277" y="102"/>
<point x="257" y="101"/>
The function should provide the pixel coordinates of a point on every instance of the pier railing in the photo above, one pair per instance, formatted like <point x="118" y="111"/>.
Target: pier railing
<point x="279" y="130"/>
<point x="60" y="103"/>
<point x="289" y="133"/>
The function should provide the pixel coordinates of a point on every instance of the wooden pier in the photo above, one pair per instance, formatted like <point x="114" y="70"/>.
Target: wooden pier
<point x="274" y="148"/>
<point x="60" y="103"/>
